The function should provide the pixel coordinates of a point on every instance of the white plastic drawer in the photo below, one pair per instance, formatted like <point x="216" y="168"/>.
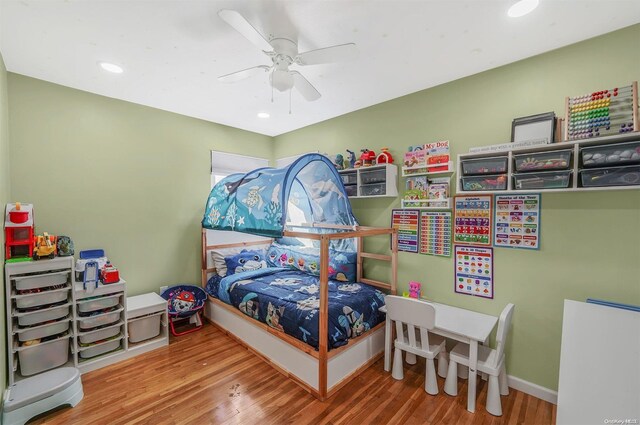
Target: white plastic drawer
<point x="41" y="280"/>
<point x="41" y="298"/>
<point x="100" y="334"/>
<point x="97" y="350"/>
<point x="98" y="303"/>
<point x="143" y="328"/>
<point x="43" y="331"/>
<point x="99" y="319"/>
<point x="378" y="189"/>
<point x="44" y="356"/>
<point x="373" y="176"/>
<point x="45" y="315"/>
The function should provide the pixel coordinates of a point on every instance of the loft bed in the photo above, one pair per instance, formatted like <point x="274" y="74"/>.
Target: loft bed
<point x="311" y="313"/>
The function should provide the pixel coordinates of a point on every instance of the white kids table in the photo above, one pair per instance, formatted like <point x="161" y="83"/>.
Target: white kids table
<point x="459" y="324"/>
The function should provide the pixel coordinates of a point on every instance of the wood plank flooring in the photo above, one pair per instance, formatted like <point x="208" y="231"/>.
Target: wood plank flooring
<point x="207" y="378"/>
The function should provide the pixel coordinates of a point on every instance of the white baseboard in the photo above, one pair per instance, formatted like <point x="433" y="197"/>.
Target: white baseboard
<point x="533" y="389"/>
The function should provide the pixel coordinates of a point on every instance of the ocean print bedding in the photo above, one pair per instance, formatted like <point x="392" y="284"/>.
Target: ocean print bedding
<point x="288" y="300"/>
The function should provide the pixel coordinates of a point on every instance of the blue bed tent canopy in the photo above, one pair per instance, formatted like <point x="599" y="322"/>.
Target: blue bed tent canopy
<point x="263" y="201"/>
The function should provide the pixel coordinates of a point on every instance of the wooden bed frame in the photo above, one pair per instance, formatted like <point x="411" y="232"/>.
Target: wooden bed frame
<point x="321" y="372"/>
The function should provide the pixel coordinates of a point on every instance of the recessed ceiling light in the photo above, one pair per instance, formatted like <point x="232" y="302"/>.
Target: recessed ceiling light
<point x="263" y="115"/>
<point x="522" y="7"/>
<point x="111" y="67"/>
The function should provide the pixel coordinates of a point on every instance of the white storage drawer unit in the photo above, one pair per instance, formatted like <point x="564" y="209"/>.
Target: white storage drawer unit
<point x="99" y="349"/>
<point x="41" y="298"/>
<point x="100" y="334"/>
<point x="99" y="319"/>
<point x="44" y="315"/>
<point x="147" y="318"/>
<point x="43" y="280"/>
<point x="44" y="356"/>
<point x="43" y="331"/>
<point x="98" y="303"/>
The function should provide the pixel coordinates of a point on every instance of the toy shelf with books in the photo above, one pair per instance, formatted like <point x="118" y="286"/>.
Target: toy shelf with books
<point x="428" y="171"/>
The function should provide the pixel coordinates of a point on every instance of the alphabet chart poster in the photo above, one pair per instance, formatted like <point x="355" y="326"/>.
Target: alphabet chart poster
<point x="435" y="233"/>
<point x="473" y="215"/>
<point x="474" y="271"/>
<point x="517" y="221"/>
<point x="406" y="221"/>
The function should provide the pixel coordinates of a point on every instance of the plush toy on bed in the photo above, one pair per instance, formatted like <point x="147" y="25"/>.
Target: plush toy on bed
<point x="245" y="261"/>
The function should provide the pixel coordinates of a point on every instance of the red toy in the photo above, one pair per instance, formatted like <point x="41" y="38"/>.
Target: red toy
<point x="368" y="157"/>
<point x="109" y="274"/>
<point x="18" y="231"/>
<point x="384" y="157"/>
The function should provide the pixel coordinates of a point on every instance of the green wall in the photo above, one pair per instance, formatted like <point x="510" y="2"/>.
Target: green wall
<point x="5" y="196"/>
<point x="115" y="175"/>
<point x="589" y="240"/>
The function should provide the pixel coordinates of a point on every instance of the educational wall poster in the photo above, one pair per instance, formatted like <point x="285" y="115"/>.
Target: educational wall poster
<point x="474" y="271"/>
<point x="435" y="233"/>
<point x="406" y="221"/>
<point x="517" y="221"/>
<point x="473" y="215"/>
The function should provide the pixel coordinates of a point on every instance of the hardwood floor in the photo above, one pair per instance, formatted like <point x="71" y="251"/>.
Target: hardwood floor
<point x="207" y="378"/>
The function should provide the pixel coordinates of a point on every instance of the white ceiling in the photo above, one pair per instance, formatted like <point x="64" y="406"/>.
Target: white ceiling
<point x="172" y="51"/>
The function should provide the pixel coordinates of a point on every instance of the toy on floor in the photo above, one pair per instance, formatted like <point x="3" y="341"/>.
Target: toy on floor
<point x="185" y="302"/>
<point x="414" y="289"/>
<point x="45" y="245"/>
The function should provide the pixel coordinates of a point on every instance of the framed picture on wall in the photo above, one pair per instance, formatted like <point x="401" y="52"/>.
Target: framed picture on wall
<point x="534" y="127"/>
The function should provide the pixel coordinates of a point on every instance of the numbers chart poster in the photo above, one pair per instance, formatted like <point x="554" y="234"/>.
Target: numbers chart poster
<point x="473" y="215"/>
<point x="406" y="221"/>
<point x="435" y="233"/>
<point x="474" y="271"/>
<point x="517" y="221"/>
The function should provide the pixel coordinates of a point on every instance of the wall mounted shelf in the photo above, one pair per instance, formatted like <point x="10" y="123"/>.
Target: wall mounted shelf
<point x="375" y="181"/>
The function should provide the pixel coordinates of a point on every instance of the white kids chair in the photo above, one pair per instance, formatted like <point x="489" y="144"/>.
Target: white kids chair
<point x="490" y="361"/>
<point x="415" y="315"/>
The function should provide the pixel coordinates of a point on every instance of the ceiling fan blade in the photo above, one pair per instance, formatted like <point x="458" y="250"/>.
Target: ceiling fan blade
<point x="304" y="87"/>
<point x="240" y="24"/>
<point x="241" y="75"/>
<point x="342" y="52"/>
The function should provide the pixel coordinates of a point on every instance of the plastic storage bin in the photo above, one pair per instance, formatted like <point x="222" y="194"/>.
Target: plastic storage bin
<point x="479" y="166"/>
<point x="143" y="328"/>
<point x="99" y="320"/>
<point x="478" y="183"/>
<point x="37" y="332"/>
<point x="44" y="356"/>
<point x="373" y="176"/>
<point x="613" y="154"/>
<point x="544" y="180"/>
<point x="612" y="176"/>
<point x="543" y="161"/>
<point x="40" y="316"/>
<point x="98" y="303"/>
<point x="100" y="349"/>
<point x="349" y="178"/>
<point x="41" y="298"/>
<point x="100" y="334"/>
<point x="352" y="190"/>
<point x="373" y="189"/>
<point x="41" y="280"/>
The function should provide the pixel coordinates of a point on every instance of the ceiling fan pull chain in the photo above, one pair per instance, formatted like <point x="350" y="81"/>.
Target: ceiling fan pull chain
<point x="290" y="90"/>
<point x="271" y="84"/>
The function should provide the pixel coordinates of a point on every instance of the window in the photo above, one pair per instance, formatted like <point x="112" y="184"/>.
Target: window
<point x="224" y="164"/>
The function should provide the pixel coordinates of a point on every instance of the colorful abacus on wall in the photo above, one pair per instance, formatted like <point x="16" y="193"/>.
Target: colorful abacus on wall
<point x="602" y="113"/>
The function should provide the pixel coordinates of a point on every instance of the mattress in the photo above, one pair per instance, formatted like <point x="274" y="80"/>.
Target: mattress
<point x="288" y="301"/>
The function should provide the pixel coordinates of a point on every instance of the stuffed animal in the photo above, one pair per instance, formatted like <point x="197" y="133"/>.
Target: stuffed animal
<point x="414" y="289"/>
<point x="339" y="162"/>
<point x="245" y="261"/>
<point x="352" y="159"/>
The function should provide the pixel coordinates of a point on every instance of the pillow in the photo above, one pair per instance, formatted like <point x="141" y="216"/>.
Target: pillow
<point x="218" y="257"/>
<point x="342" y="264"/>
<point x="245" y="261"/>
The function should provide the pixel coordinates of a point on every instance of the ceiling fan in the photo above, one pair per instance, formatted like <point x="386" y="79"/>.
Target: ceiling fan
<point x="283" y="53"/>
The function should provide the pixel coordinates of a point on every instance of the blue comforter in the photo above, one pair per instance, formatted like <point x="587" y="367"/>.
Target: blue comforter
<point x="288" y="300"/>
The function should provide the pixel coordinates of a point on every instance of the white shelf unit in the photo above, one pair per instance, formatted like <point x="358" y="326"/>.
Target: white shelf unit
<point x="375" y="181"/>
<point x="575" y="166"/>
<point x="426" y="204"/>
<point x="39" y="305"/>
<point x="103" y="349"/>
